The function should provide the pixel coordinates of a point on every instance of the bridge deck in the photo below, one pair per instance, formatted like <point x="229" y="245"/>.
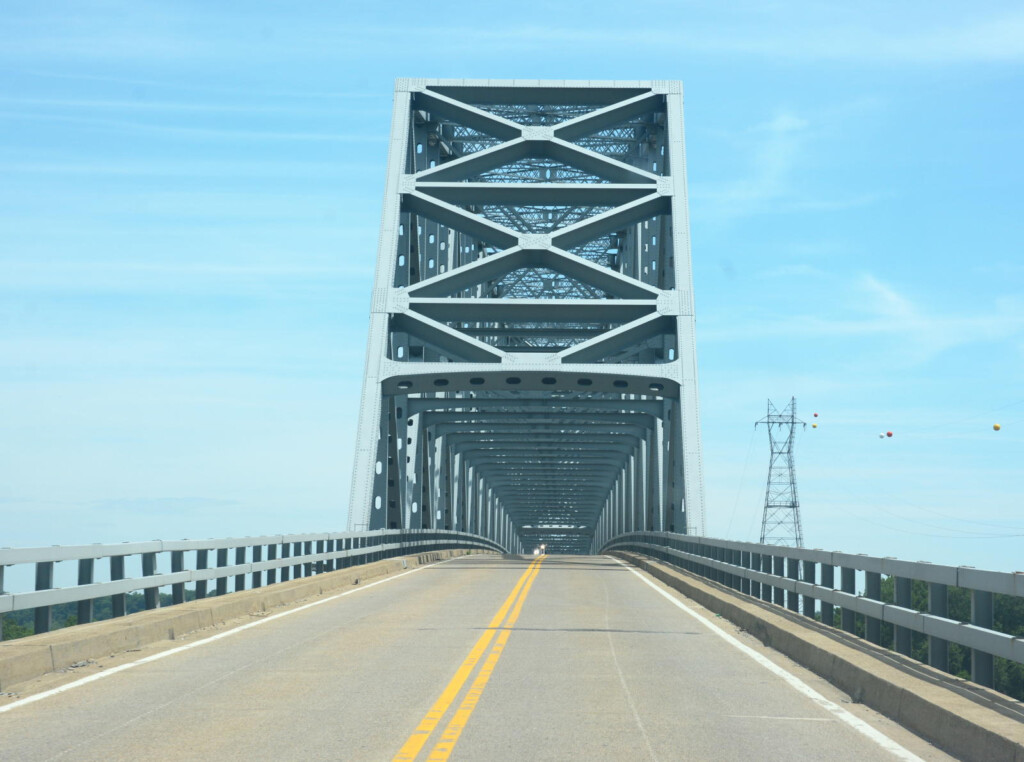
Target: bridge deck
<point x="591" y="663"/>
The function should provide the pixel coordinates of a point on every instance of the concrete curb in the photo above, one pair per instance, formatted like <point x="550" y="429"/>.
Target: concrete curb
<point x="954" y="723"/>
<point x="34" y="656"/>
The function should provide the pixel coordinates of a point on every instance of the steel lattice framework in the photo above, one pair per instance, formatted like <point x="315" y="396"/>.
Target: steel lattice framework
<point x="780" y="523"/>
<point x="531" y="370"/>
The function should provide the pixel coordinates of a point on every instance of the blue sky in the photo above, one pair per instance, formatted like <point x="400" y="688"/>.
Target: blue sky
<point x="190" y="203"/>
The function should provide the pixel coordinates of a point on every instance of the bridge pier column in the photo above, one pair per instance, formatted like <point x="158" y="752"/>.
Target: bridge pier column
<point x="938" y="605"/>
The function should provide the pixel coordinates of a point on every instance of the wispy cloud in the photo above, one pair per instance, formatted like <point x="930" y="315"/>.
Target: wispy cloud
<point x="777" y="158"/>
<point x="879" y="310"/>
<point x="188" y="107"/>
<point x="203" y="133"/>
<point x="878" y="34"/>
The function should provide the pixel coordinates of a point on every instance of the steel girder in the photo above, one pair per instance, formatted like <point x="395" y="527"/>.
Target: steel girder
<point x="531" y="369"/>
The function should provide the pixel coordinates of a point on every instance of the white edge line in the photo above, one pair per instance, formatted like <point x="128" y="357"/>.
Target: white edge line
<point x="204" y="641"/>
<point x="830" y="706"/>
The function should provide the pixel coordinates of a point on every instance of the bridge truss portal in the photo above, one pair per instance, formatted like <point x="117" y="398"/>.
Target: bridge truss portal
<point x="531" y="371"/>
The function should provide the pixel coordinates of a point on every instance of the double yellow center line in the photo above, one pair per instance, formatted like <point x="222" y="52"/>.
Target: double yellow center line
<point x="503" y="620"/>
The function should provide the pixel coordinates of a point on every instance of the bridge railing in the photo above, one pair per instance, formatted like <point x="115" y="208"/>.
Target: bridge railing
<point x="210" y="565"/>
<point x="806" y="581"/>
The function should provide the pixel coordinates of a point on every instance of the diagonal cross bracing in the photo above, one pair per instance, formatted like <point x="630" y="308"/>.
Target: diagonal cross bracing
<point x="531" y="370"/>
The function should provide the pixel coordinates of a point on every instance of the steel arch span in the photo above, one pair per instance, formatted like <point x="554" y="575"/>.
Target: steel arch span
<point x="531" y="370"/>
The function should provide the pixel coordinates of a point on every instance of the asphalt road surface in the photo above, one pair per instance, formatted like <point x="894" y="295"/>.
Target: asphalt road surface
<point x="479" y="658"/>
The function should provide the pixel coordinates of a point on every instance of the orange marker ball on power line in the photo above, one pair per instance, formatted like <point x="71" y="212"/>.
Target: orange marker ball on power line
<point x="814" y="425"/>
<point x="996" y="426"/>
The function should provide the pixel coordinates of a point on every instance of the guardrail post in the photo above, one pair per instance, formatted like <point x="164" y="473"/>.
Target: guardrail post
<point x="938" y="605"/>
<point x="1" y="592"/>
<point x="286" y="551"/>
<point x="904" y="588"/>
<point x="149" y="594"/>
<point x="810" y="576"/>
<point x="848" y="580"/>
<point x="44" y="581"/>
<point x="178" y="565"/>
<point x="873" y="590"/>
<point x="319" y="568"/>
<point x="308" y="550"/>
<point x="272" y="556"/>
<point x="766" y="568"/>
<point x="222" y="561"/>
<point x="982" y="611"/>
<point x="828" y="581"/>
<point x="202" y="561"/>
<point x="779" y="570"/>
<point x="755" y="565"/>
<point x="793" y="572"/>
<point x="118" y="603"/>
<point x="257" y="556"/>
<point x="86" y="576"/>
<point x="239" y="560"/>
<point x="297" y="568"/>
<point x="745" y="583"/>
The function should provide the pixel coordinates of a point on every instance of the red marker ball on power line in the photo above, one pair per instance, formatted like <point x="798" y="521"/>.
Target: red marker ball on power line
<point x="888" y="433"/>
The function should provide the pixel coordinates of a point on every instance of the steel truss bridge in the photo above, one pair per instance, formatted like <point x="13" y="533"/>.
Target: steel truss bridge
<point x="531" y="371"/>
<point x="530" y="381"/>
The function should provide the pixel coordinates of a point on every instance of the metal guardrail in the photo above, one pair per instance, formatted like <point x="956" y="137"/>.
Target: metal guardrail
<point x="804" y="581"/>
<point x="256" y="560"/>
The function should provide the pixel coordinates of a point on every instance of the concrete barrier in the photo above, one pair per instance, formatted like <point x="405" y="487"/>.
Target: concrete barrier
<point x="34" y="656"/>
<point x="958" y="724"/>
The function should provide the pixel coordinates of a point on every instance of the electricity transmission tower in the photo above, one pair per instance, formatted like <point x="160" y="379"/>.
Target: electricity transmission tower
<point x="781" y="522"/>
